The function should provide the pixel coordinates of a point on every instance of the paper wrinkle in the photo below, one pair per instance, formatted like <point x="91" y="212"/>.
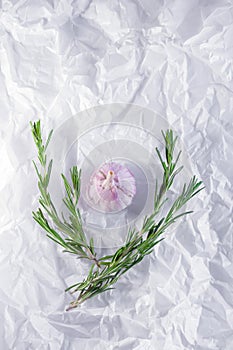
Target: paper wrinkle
<point x="58" y="58"/>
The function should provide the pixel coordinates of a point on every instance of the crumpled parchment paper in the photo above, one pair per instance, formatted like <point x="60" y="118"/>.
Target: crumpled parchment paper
<point x="58" y="58"/>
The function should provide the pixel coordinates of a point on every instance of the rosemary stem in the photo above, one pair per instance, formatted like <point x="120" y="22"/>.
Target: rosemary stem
<point x="138" y="246"/>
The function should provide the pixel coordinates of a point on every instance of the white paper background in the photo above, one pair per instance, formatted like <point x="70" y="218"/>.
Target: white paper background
<point x="174" y="57"/>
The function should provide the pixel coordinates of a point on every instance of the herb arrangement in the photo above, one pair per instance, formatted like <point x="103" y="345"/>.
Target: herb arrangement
<point x="68" y="231"/>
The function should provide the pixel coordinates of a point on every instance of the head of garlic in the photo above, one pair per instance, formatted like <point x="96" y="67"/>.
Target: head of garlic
<point x="112" y="187"/>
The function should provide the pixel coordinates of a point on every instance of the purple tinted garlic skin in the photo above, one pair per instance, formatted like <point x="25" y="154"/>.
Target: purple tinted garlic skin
<point x="112" y="187"/>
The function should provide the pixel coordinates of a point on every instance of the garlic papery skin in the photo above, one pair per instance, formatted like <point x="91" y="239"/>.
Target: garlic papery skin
<point x="112" y="187"/>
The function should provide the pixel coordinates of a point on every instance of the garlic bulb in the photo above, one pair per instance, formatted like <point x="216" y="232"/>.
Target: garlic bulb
<point x="112" y="187"/>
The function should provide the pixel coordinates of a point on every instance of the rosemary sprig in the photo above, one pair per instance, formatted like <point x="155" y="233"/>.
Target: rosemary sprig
<point x="106" y="271"/>
<point x="140" y="243"/>
<point x="68" y="234"/>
